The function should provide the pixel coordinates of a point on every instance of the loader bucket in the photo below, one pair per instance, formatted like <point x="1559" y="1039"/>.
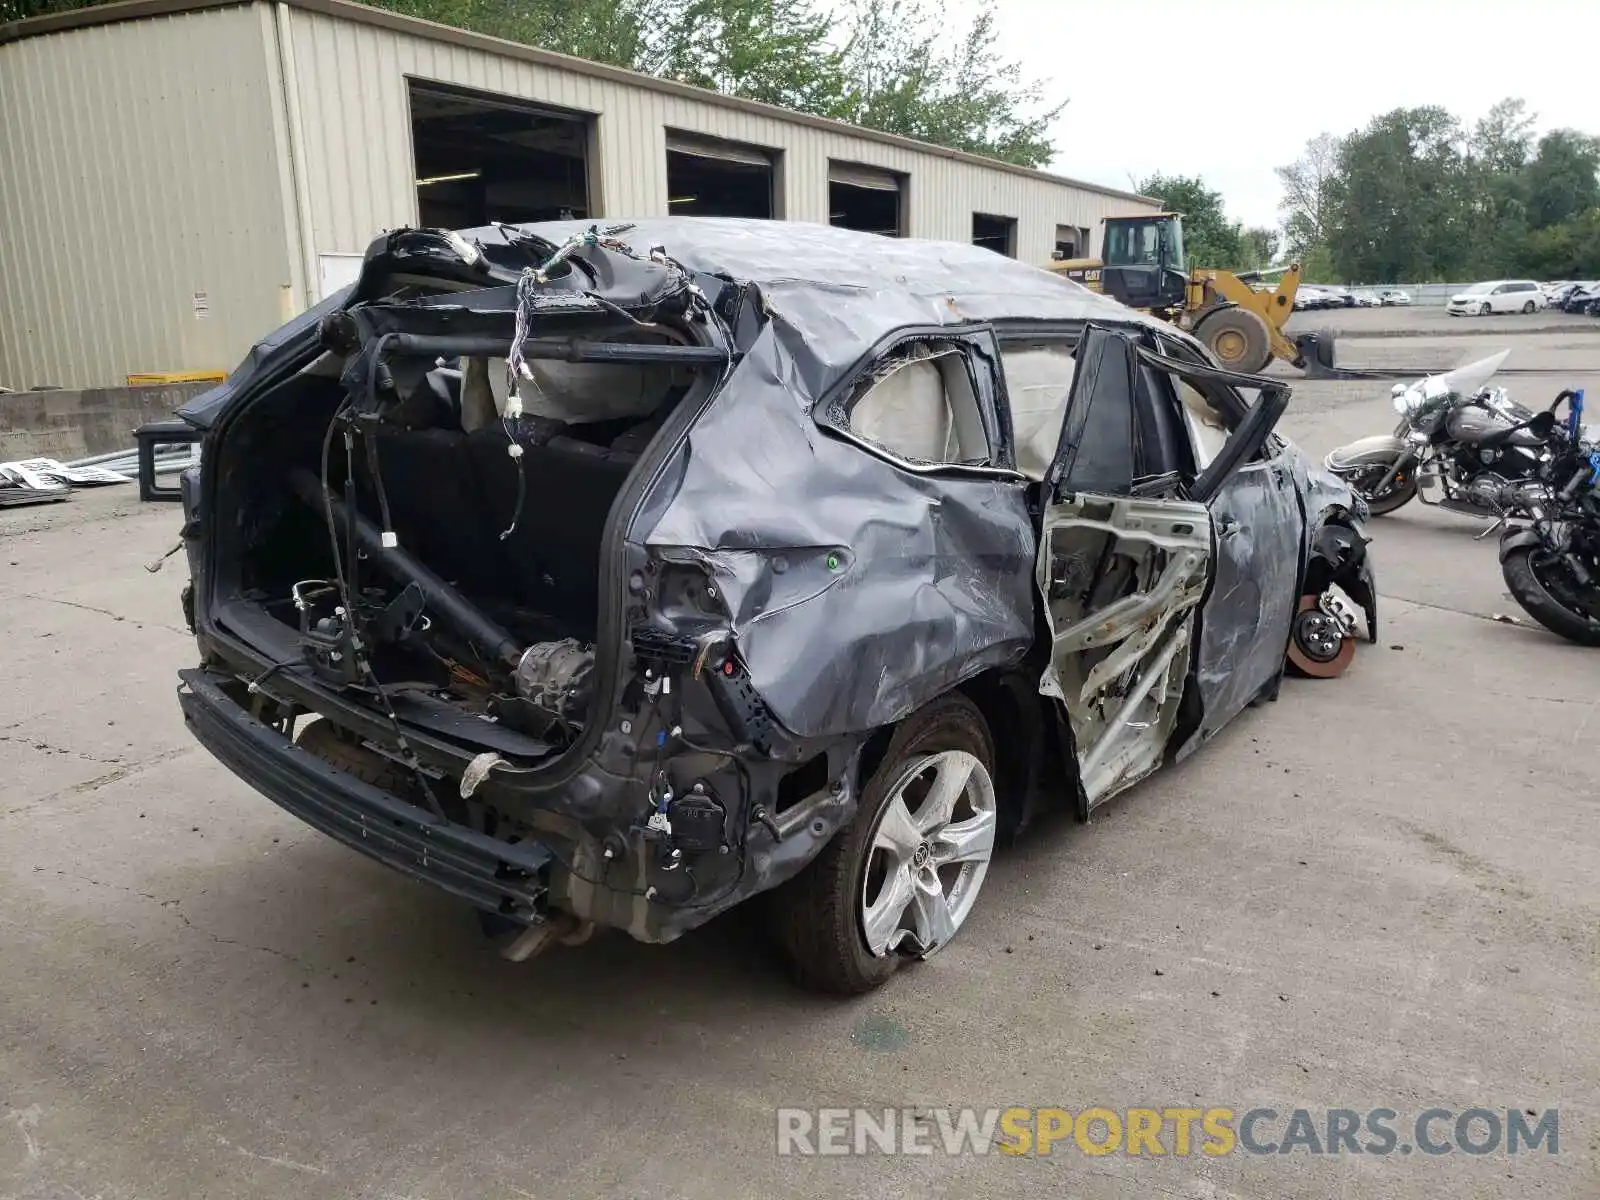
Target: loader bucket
<point x="1315" y="352"/>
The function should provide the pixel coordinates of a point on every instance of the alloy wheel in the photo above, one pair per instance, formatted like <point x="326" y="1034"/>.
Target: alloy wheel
<point x="929" y="854"/>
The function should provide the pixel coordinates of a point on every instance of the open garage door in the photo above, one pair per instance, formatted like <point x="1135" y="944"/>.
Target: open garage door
<point x="482" y="157"/>
<point x="866" y="198"/>
<point x="707" y="177"/>
<point x="1072" y="241"/>
<point x="995" y="233"/>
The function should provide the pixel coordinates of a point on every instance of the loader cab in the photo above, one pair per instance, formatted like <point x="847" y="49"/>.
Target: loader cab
<point x="1143" y="261"/>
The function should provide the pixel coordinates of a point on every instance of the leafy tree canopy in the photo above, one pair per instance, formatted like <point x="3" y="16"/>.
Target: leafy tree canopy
<point x="1417" y="196"/>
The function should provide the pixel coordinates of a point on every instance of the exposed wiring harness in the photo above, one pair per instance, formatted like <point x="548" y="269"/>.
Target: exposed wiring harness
<point x="539" y="273"/>
<point x="346" y="560"/>
<point x="345" y="580"/>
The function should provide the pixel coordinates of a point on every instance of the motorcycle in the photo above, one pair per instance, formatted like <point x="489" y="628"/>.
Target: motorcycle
<point x="1460" y="445"/>
<point x="1551" y="564"/>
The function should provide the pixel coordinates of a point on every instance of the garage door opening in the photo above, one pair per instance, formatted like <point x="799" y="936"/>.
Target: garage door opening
<point x="995" y="233"/>
<point x="483" y="158"/>
<point x="866" y="198"/>
<point x="710" y="178"/>
<point x="1072" y="241"/>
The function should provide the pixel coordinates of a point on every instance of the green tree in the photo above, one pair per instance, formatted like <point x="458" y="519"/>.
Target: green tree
<point x="907" y="76"/>
<point x="1416" y="196"/>
<point x="1568" y="250"/>
<point x="1307" y="194"/>
<point x="1209" y="238"/>
<point x="1316" y="265"/>
<point x="1563" y="178"/>
<point x="1258" y="247"/>
<point x="774" y="51"/>
<point x="1497" y="154"/>
<point x="21" y="10"/>
<point x="1401" y="201"/>
<point x="611" y="31"/>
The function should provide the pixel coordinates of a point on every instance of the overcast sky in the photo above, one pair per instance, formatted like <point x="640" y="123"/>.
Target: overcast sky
<point x="1228" y="90"/>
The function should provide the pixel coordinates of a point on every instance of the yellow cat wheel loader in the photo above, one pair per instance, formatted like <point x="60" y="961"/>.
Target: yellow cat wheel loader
<point x="1141" y="264"/>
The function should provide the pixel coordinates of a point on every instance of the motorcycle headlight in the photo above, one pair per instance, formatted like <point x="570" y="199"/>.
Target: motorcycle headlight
<point x="1400" y="405"/>
<point x="1418" y="437"/>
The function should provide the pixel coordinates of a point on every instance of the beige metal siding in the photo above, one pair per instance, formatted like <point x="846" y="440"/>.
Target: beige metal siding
<point x="138" y="168"/>
<point x="356" y="123"/>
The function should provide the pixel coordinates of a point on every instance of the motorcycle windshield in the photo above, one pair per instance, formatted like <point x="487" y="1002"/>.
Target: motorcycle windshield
<point x="1465" y="380"/>
<point x="1468" y="380"/>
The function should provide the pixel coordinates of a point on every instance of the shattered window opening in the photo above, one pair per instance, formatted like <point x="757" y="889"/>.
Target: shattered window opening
<point x="921" y="404"/>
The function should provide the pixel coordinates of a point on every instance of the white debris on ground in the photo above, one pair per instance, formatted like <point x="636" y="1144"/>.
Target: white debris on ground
<point x="42" y="480"/>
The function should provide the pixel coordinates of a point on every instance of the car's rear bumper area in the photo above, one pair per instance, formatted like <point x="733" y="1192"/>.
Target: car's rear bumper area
<point x="510" y="879"/>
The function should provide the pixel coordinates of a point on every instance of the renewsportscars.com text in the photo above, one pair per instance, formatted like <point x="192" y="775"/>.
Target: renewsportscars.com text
<point x="1176" y="1131"/>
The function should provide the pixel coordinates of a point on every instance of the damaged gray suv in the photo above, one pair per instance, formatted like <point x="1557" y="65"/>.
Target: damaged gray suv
<point x="611" y="576"/>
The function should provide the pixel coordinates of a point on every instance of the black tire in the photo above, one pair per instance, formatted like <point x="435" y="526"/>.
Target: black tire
<point x="814" y="916"/>
<point x="1237" y="339"/>
<point x="1484" y="310"/>
<point x="1397" y="497"/>
<point x="1528" y="307"/>
<point x="1544" y="608"/>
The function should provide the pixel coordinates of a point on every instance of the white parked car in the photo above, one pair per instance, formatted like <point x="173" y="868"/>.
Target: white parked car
<point x="1368" y="300"/>
<point x="1393" y="296"/>
<point x="1497" y="296"/>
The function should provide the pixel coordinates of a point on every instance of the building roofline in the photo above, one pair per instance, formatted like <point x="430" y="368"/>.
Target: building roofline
<point x="133" y="10"/>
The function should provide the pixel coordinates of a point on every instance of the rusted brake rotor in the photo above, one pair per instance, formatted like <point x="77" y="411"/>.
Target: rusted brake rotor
<point x="1318" y="648"/>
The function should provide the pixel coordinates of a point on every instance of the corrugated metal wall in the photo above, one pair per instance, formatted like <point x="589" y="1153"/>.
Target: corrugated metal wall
<point x="355" y="118"/>
<point x="168" y="183"/>
<point x="138" y="167"/>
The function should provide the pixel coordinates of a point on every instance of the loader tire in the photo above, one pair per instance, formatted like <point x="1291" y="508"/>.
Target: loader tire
<point x="1237" y="339"/>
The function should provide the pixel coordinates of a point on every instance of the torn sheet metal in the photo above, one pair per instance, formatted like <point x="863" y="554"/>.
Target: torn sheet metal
<point x="1245" y="625"/>
<point x="931" y="581"/>
<point x="1331" y="508"/>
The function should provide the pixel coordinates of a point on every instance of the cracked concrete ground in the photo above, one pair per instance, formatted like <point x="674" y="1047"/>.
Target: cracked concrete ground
<point x="1380" y="891"/>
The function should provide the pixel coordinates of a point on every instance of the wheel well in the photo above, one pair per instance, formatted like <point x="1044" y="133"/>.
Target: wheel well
<point x="1030" y="772"/>
<point x="1322" y="567"/>
<point x="1215" y="306"/>
<point x="1028" y="759"/>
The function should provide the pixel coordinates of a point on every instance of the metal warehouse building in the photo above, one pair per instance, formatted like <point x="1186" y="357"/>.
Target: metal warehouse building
<point x="178" y="177"/>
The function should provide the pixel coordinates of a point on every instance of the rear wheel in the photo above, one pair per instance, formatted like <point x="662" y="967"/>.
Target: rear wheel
<point x="903" y="877"/>
<point x="1237" y="339"/>
<point x="1551" y="596"/>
